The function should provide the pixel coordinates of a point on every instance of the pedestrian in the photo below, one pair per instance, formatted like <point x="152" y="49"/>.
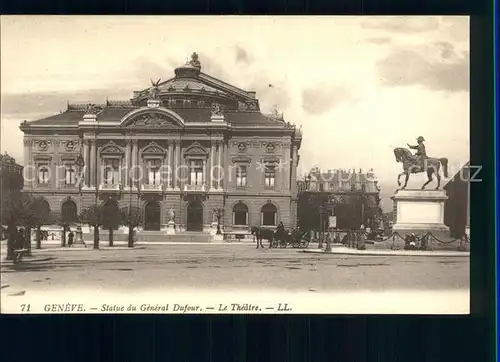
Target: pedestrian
<point x="71" y="235"/>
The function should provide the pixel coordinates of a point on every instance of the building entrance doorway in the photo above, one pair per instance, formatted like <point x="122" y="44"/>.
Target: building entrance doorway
<point x="152" y="214"/>
<point x="194" y="220"/>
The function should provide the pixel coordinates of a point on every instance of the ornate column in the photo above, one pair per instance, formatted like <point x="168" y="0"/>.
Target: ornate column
<point x="126" y="173"/>
<point x="86" y="166"/>
<point x="293" y="170"/>
<point x="219" y="164"/>
<point x="205" y="173"/>
<point x="178" y="162"/>
<point x="134" y="162"/>
<point x="27" y="163"/>
<point x="211" y="165"/>
<point x="93" y="163"/>
<point x="225" y="165"/>
<point x="169" y="163"/>
<point x="32" y="172"/>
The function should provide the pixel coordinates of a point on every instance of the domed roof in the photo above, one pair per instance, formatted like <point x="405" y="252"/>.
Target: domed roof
<point x="191" y="87"/>
<point x="186" y="85"/>
<point x="191" y="69"/>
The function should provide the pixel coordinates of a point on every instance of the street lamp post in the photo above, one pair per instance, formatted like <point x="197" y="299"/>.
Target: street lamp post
<point x="98" y="213"/>
<point x="218" y="215"/>
<point x="321" y="224"/>
<point x="80" y="164"/>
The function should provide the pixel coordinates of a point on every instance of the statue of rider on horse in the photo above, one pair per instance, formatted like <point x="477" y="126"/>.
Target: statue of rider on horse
<point x="421" y="154"/>
<point x="420" y="162"/>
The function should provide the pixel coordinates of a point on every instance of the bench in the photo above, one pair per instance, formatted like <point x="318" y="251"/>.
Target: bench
<point x="18" y="255"/>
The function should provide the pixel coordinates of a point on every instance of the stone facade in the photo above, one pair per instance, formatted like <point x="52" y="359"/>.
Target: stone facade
<point x="352" y="196"/>
<point x="11" y="183"/>
<point x="190" y="143"/>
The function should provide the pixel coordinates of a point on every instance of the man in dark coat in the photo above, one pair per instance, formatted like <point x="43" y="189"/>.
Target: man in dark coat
<point x="70" y="238"/>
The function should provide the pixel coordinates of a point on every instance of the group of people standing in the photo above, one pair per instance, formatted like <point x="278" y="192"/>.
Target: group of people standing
<point x="20" y="236"/>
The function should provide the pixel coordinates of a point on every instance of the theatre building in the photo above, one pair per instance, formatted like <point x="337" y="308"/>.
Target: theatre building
<point x="184" y="147"/>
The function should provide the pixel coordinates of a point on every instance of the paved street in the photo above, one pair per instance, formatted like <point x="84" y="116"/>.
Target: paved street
<point x="233" y="267"/>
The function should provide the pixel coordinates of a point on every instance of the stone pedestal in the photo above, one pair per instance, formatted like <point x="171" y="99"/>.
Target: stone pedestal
<point x="78" y="242"/>
<point x="217" y="118"/>
<point x="154" y="103"/>
<point x="419" y="210"/>
<point x="171" y="228"/>
<point x="213" y="228"/>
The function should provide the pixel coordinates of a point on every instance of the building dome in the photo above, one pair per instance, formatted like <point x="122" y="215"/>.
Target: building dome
<point x="191" y="69"/>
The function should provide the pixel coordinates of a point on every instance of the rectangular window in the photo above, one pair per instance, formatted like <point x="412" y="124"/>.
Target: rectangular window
<point x="196" y="173"/>
<point x="69" y="175"/>
<point x="43" y="174"/>
<point x="112" y="171"/>
<point x="154" y="166"/>
<point x="241" y="176"/>
<point x="269" y="174"/>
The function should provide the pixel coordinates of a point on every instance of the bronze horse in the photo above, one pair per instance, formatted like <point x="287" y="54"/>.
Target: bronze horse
<point x="431" y="166"/>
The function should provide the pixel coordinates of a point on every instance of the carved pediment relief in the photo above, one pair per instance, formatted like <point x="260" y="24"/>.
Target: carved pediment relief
<point x="111" y="148"/>
<point x="43" y="145"/>
<point x="153" y="148"/>
<point x="43" y="158"/>
<point x="153" y="120"/>
<point x="195" y="149"/>
<point x="68" y="158"/>
<point x="242" y="159"/>
<point x="270" y="159"/>
<point x="270" y="147"/>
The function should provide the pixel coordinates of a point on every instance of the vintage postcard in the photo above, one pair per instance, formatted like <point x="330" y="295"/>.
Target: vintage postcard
<point x="215" y="165"/>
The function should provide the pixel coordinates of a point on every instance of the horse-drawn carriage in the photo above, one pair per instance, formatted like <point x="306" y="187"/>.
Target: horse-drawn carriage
<point x="296" y="238"/>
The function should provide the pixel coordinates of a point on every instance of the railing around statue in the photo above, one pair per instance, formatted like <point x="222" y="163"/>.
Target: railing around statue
<point x="356" y="239"/>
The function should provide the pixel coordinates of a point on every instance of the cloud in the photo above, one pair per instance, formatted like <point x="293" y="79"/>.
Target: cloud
<point x="144" y="69"/>
<point x="210" y="66"/>
<point x="445" y="71"/>
<point x="321" y="99"/>
<point x="447" y="50"/>
<point x="456" y="26"/>
<point x="271" y="92"/>
<point x="380" y="40"/>
<point x="242" y="56"/>
<point x="402" y="24"/>
<point x="53" y="102"/>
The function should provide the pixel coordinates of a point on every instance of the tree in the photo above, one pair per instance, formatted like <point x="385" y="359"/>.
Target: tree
<point x="131" y="217"/>
<point x="93" y="216"/>
<point x="12" y="213"/>
<point x="111" y="218"/>
<point x="27" y="212"/>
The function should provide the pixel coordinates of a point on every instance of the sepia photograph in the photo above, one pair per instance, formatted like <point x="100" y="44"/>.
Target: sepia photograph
<point x="235" y="164"/>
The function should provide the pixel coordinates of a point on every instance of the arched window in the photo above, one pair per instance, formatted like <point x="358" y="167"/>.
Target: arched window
<point x="69" y="211"/>
<point x="268" y="215"/>
<point x="240" y="214"/>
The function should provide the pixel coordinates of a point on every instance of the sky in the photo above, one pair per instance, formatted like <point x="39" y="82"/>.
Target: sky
<point x="358" y="86"/>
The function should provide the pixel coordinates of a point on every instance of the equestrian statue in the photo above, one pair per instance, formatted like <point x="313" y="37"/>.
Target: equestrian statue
<point x="420" y="162"/>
